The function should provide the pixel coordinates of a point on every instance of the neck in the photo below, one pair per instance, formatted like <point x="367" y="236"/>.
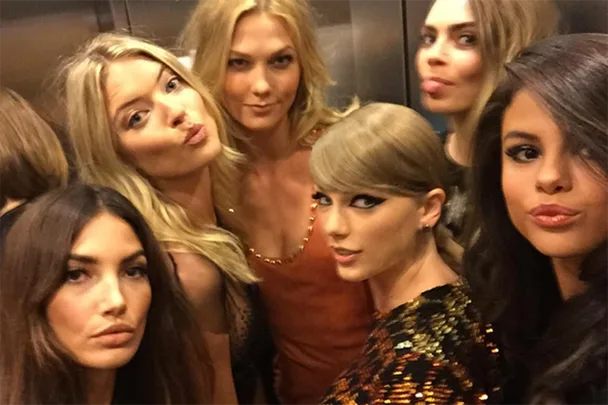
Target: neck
<point x="458" y="145"/>
<point x="270" y="145"/>
<point x="10" y="204"/>
<point x="194" y="194"/>
<point x="100" y="386"/>
<point x="424" y="271"/>
<point x="567" y="271"/>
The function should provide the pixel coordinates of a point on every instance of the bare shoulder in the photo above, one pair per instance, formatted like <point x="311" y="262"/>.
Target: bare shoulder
<point x="204" y="285"/>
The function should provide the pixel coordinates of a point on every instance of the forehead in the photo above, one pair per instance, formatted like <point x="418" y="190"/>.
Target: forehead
<point x="125" y="76"/>
<point x="106" y="235"/>
<point x="527" y="114"/>
<point x="260" y="32"/>
<point x="449" y="12"/>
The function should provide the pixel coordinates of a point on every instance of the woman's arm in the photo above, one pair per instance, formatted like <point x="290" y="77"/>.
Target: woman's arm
<point x="204" y="287"/>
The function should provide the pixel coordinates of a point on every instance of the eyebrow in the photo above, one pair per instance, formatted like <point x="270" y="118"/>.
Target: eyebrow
<point x="91" y="260"/>
<point x="129" y="103"/>
<point x="275" y="53"/>
<point x="453" y="27"/>
<point x="520" y="135"/>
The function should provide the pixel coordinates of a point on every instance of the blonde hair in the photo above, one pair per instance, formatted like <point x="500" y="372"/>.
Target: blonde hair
<point x="96" y="148"/>
<point x="388" y="148"/>
<point x="209" y="32"/>
<point x="505" y="28"/>
<point x="32" y="160"/>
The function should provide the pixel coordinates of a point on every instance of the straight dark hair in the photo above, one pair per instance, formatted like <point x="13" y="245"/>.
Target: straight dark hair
<point x="556" y="351"/>
<point x="171" y="365"/>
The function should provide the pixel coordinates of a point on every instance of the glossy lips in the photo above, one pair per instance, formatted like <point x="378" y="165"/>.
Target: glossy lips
<point x="345" y="257"/>
<point x="196" y="134"/>
<point x="261" y="108"/>
<point x="553" y="215"/>
<point x="115" y="335"/>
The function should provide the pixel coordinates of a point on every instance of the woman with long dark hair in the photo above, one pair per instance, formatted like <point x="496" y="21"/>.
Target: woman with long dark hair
<point x="538" y="263"/>
<point x="90" y="310"/>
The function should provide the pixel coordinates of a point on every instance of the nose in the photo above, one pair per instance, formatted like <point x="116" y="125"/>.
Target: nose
<point x="112" y="299"/>
<point x="175" y="112"/>
<point x="260" y="85"/>
<point x="436" y="53"/>
<point x="554" y="174"/>
<point x="335" y="223"/>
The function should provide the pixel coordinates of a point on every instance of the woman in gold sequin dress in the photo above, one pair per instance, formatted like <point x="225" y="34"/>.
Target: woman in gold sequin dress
<point x="379" y="175"/>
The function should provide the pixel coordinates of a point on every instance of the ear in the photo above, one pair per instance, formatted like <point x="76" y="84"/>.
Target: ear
<point x="430" y="211"/>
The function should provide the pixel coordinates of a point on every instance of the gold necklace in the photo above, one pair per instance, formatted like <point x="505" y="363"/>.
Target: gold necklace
<point x="289" y="259"/>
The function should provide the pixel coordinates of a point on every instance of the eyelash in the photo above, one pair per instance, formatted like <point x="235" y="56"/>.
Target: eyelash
<point x="370" y="201"/>
<point x="428" y="39"/>
<point x="173" y="79"/>
<point x="515" y="152"/>
<point x="142" y="271"/>
<point x="279" y="62"/>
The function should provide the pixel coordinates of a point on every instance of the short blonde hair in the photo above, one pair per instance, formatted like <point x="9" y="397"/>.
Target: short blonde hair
<point x="32" y="160"/>
<point x="388" y="148"/>
<point x="505" y="27"/>
<point x="209" y="32"/>
<point x="96" y="148"/>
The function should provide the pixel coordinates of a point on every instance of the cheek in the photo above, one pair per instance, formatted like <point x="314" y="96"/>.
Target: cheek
<point x="468" y="68"/>
<point x="68" y="316"/>
<point x="235" y="86"/>
<point x="140" y="298"/>
<point x="289" y="82"/>
<point x="145" y="147"/>
<point x="514" y="191"/>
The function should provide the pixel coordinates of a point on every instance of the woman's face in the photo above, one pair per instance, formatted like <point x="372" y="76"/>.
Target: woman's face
<point x="263" y="73"/>
<point x="372" y="233"/>
<point x="99" y="313"/>
<point x="449" y="60"/>
<point x="163" y="126"/>
<point x="553" y="197"/>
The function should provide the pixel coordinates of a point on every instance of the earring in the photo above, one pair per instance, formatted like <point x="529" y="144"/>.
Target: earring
<point x="425" y="227"/>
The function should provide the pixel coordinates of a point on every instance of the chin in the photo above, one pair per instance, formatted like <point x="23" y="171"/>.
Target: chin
<point x="352" y="274"/>
<point x="440" y="106"/>
<point x="108" y="359"/>
<point x="560" y="247"/>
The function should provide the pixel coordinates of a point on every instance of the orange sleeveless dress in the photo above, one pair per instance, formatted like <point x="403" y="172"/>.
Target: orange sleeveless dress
<point x="319" y="322"/>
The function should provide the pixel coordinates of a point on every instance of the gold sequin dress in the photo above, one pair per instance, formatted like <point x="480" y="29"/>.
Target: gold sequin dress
<point x="431" y="350"/>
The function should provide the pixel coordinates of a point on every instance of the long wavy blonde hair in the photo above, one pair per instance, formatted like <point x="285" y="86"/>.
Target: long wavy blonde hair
<point x="209" y="33"/>
<point x="505" y="28"/>
<point x="388" y="148"/>
<point x="96" y="147"/>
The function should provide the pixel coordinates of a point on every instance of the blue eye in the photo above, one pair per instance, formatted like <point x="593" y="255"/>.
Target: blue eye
<point x="467" y="39"/>
<point x="282" y="61"/>
<point x="321" y="198"/>
<point x="135" y="120"/>
<point x="172" y="84"/>
<point x="237" y="63"/>
<point x="365" y="201"/>
<point x="427" y="39"/>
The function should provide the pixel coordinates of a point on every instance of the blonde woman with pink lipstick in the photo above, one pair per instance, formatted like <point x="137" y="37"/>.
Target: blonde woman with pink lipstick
<point x="141" y="123"/>
<point x="463" y="47"/>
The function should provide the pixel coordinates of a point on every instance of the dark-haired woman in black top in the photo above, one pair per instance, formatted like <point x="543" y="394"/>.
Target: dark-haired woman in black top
<point x="539" y="265"/>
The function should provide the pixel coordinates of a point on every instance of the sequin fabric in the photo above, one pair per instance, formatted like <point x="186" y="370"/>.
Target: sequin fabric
<point x="431" y="350"/>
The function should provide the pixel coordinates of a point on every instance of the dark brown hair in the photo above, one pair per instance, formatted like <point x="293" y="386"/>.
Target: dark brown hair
<point x="171" y="365"/>
<point x="513" y="283"/>
<point x="32" y="160"/>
